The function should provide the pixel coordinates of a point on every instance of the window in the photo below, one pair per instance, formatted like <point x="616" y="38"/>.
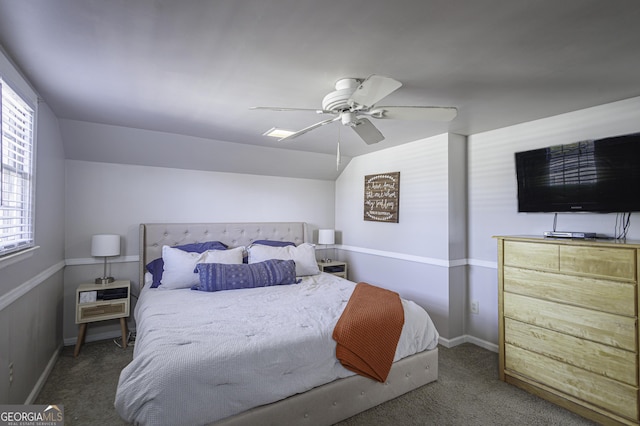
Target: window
<point x="16" y="172"/>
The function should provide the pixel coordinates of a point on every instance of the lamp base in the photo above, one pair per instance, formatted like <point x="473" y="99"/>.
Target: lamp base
<point x="325" y="260"/>
<point x="104" y="280"/>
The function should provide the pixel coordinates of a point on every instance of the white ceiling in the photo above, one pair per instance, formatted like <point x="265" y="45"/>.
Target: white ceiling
<point x="195" y="67"/>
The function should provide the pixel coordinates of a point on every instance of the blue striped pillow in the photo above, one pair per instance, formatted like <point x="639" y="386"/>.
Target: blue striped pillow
<point x="219" y="276"/>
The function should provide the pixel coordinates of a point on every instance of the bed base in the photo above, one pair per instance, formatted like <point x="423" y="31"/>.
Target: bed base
<point x="343" y="398"/>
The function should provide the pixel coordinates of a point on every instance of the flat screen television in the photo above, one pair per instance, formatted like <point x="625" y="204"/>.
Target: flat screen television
<point x="600" y="175"/>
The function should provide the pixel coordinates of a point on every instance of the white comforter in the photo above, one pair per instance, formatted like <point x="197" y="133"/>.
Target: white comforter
<point x="200" y="357"/>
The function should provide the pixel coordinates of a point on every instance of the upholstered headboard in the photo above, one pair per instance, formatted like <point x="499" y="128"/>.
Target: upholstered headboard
<point x="155" y="235"/>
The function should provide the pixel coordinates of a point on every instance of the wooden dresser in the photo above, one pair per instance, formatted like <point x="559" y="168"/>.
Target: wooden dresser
<point x="568" y="323"/>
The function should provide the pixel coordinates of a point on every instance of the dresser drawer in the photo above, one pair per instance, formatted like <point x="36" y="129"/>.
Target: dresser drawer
<point x="599" y="294"/>
<point x="614" y="363"/>
<point x="604" y="262"/>
<point x="602" y="327"/>
<point x="532" y="255"/>
<point x="592" y="388"/>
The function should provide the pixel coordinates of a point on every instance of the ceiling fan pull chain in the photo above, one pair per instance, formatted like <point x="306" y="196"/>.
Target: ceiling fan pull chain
<point x="338" y="152"/>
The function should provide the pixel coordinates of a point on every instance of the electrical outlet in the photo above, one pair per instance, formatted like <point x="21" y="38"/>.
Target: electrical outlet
<point x="475" y="307"/>
<point x="10" y="373"/>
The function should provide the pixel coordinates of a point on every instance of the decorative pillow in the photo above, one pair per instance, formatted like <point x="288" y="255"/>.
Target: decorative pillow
<point x="304" y="255"/>
<point x="179" y="266"/>
<point x="218" y="276"/>
<point x="270" y="243"/>
<point x="274" y="243"/>
<point x="157" y="266"/>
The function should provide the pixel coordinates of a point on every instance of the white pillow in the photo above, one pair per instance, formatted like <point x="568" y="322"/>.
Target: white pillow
<point x="303" y="255"/>
<point x="179" y="265"/>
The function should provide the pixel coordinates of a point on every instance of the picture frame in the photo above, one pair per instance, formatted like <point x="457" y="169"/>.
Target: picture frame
<point x="382" y="197"/>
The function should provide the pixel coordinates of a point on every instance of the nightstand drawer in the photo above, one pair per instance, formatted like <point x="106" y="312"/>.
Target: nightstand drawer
<point x="89" y="312"/>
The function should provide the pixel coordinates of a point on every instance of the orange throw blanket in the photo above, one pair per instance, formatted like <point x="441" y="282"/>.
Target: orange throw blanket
<point x="368" y="331"/>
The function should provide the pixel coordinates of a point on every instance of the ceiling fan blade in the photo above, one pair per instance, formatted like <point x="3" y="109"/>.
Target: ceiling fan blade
<point x="425" y="113"/>
<point x="367" y="131"/>
<point x="373" y="89"/>
<point x="318" y="111"/>
<point x="310" y="128"/>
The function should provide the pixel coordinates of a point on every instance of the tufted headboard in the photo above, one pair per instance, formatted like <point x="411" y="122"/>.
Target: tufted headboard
<point x="155" y="235"/>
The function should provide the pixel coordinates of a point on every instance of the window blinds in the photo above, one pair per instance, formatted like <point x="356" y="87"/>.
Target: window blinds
<point x="16" y="177"/>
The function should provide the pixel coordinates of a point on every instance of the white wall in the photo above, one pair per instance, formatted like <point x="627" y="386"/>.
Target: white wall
<point x="493" y="194"/>
<point x="116" y="198"/>
<point x="423" y="256"/>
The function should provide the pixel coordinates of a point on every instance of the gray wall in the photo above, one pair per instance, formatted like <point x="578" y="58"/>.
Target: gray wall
<point x="31" y="289"/>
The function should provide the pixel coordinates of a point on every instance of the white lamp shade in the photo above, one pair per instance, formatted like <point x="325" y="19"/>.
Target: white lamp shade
<point x="326" y="236"/>
<point x="105" y="245"/>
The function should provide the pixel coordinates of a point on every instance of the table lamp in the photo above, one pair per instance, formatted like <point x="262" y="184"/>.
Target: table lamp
<point x="326" y="236"/>
<point x="105" y="245"/>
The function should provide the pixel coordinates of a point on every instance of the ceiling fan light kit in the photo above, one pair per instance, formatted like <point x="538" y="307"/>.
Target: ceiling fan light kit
<point x="355" y="98"/>
<point x="349" y="118"/>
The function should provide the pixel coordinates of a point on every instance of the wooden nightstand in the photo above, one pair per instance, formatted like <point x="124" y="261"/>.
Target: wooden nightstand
<point x="99" y="302"/>
<point x="334" y="267"/>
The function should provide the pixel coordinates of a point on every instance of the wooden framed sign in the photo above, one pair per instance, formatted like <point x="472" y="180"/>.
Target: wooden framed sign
<point x="382" y="197"/>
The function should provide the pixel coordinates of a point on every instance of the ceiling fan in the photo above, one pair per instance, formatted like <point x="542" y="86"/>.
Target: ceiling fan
<point x="355" y="99"/>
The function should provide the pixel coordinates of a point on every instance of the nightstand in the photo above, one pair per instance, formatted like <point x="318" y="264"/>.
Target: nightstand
<point x="334" y="267"/>
<point x="99" y="302"/>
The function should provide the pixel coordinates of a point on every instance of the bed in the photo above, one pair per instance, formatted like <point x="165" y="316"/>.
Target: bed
<point x="180" y="376"/>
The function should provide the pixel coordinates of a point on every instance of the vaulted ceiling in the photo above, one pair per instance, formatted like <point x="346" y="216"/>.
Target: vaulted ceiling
<point x="196" y="67"/>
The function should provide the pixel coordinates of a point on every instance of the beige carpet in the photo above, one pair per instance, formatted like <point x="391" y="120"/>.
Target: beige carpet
<point x="467" y="393"/>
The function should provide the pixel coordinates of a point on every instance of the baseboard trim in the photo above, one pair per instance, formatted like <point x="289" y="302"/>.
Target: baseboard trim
<point x="450" y="343"/>
<point x="44" y="376"/>
<point x="482" y="343"/>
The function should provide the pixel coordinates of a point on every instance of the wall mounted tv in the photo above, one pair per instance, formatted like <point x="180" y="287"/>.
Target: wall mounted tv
<point x="600" y="175"/>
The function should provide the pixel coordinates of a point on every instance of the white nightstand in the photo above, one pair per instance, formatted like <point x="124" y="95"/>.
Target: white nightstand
<point x="99" y="302"/>
<point x="334" y="267"/>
